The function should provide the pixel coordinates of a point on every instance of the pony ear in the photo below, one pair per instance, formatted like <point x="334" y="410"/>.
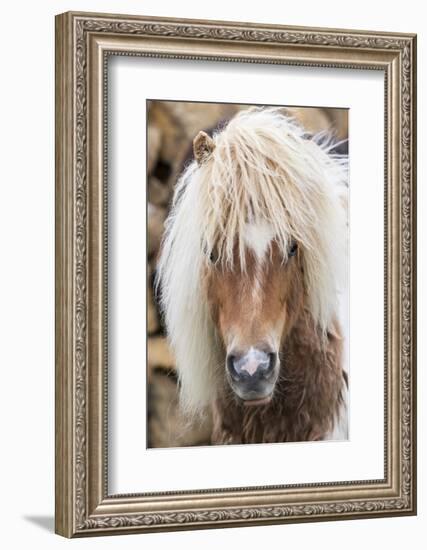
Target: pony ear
<point x="203" y="146"/>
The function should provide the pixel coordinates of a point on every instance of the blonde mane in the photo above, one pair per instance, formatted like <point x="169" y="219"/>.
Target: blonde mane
<point x="263" y="170"/>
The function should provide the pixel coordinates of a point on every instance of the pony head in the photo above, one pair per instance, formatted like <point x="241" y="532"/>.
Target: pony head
<point x="256" y="238"/>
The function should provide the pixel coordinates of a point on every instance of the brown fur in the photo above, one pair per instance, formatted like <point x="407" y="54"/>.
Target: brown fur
<point x="248" y="318"/>
<point x="306" y="399"/>
<point x="308" y="393"/>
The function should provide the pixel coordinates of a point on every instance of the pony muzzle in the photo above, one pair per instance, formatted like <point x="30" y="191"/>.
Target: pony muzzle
<point x="252" y="375"/>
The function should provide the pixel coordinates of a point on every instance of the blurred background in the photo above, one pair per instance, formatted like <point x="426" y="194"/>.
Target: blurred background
<point x="171" y="127"/>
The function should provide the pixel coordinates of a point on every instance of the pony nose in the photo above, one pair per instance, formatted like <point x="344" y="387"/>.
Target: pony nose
<point x="252" y="366"/>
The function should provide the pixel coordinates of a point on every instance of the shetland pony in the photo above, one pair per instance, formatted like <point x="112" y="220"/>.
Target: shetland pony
<point x="252" y="262"/>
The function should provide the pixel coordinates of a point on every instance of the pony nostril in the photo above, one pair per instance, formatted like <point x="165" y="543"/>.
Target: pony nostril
<point x="266" y="368"/>
<point x="273" y="360"/>
<point x="232" y="367"/>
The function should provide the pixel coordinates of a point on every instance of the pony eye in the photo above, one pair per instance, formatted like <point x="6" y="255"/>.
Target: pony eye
<point x="293" y="249"/>
<point x="213" y="256"/>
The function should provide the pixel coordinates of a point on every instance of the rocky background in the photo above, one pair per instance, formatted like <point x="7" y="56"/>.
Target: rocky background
<point x="171" y="129"/>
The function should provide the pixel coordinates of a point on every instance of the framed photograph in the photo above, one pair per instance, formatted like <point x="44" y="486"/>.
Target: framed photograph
<point x="235" y="274"/>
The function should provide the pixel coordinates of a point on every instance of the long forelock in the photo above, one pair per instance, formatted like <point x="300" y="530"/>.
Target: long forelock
<point x="266" y="172"/>
<point x="265" y="180"/>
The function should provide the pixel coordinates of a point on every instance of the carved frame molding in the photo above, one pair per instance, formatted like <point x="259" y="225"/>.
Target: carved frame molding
<point x="83" y="44"/>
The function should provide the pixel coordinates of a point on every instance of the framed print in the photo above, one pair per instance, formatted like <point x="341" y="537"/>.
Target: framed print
<point x="235" y="274"/>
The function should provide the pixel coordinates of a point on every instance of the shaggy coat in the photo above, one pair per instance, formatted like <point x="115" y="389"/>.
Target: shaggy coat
<point x="255" y="250"/>
<point x="308" y="400"/>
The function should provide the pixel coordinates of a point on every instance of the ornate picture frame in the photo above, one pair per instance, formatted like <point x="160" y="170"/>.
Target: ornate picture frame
<point x="84" y="42"/>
